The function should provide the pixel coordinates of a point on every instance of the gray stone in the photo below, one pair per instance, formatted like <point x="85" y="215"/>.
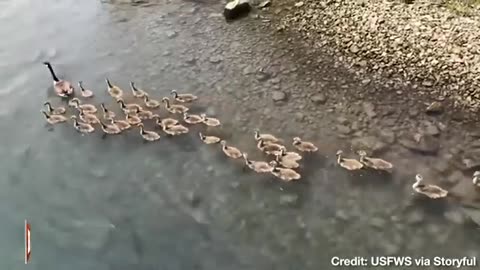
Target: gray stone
<point x="319" y="99"/>
<point x="216" y="59"/>
<point x="426" y="144"/>
<point x="388" y="136"/>
<point x="341" y="215"/>
<point x="430" y="129"/>
<point x="414" y="217"/>
<point x="288" y="199"/>
<point x="262" y="76"/>
<point x="343" y="129"/>
<point x="299" y="116"/>
<point x="342" y="120"/>
<point x="369" y="109"/>
<point x="377" y="222"/>
<point x="435" y="107"/>
<point x="236" y="9"/>
<point x="264" y="4"/>
<point x="370" y="144"/>
<point x="279" y="96"/>
<point x="171" y="33"/>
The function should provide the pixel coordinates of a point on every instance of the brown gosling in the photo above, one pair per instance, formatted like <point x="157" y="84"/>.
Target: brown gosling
<point x="87" y="108"/>
<point x="130" y="108"/>
<point x="209" y="139"/>
<point x="431" y="191"/>
<point x="476" y="178"/>
<point x="52" y="110"/>
<point x="144" y="114"/>
<point x="81" y="127"/>
<point x="113" y="90"/>
<point x="122" y="124"/>
<point x="107" y="114"/>
<point x="290" y="155"/>
<point x="174" y="130"/>
<point x="286" y="162"/>
<point x="348" y="163"/>
<point x="110" y="129"/>
<point x="192" y="119"/>
<point x="265" y="137"/>
<point x="304" y="146"/>
<point x="62" y="88"/>
<point x="284" y="173"/>
<point x="174" y="108"/>
<point x="183" y="98"/>
<point x="138" y="93"/>
<point x="258" y="166"/>
<point x="270" y="148"/>
<point x="85" y="92"/>
<point x="88" y="118"/>
<point x="210" y="121"/>
<point x="133" y="119"/>
<point x="165" y="121"/>
<point x="230" y="151"/>
<point x="374" y="163"/>
<point x="150" y="103"/>
<point x="148" y="135"/>
<point x="54" y="118"/>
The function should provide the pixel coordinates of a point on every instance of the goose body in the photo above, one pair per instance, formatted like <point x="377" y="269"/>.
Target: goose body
<point x="165" y="121"/>
<point x="175" y="129"/>
<point x="348" y="163"/>
<point x="138" y="93"/>
<point x="192" y="118"/>
<point x="270" y="148"/>
<point x="144" y="114"/>
<point x="209" y="139"/>
<point x="174" y="108"/>
<point x="52" y="110"/>
<point x="476" y="179"/>
<point x="258" y="166"/>
<point x="304" y="146"/>
<point x="82" y="127"/>
<point x="374" y="163"/>
<point x="54" y="118"/>
<point x="62" y="88"/>
<point x="88" y="118"/>
<point x="85" y="92"/>
<point x="128" y="108"/>
<point x="284" y="173"/>
<point x="113" y="90"/>
<point x="87" y="108"/>
<point x="265" y="137"/>
<point x="230" y="151"/>
<point x="107" y="114"/>
<point x="210" y="121"/>
<point x="150" y="103"/>
<point x="110" y="129"/>
<point x="286" y="162"/>
<point x="122" y="124"/>
<point x="183" y="98"/>
<point x="133" y="119"/>
<point x="148" y="135"/>
<point x="290" y="155"/>
<point x="431" y="191"/>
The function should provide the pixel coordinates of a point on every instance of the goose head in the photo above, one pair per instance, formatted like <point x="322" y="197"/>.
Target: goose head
<point x="476" y="177"/>
<point x="296" y="140"/>
<point x="174" y="93"/>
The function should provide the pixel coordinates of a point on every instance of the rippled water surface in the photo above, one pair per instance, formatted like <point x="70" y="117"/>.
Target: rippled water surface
<point x="119" y="203"/>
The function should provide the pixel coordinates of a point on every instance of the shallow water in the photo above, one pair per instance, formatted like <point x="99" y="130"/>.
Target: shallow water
<point x="119" y="203"/>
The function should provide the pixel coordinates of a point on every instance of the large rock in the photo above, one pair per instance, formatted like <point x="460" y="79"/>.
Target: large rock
<point x="236" y="9"/>
<point x="425" y="144"/>
<point x="371" y="144"/>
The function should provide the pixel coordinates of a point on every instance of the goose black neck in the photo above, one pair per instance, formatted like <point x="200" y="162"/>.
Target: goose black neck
<point x="80" y="84"/>
<point x="133" y="87"/>
<point x="175" y="94"/>
<point x="46" y="114"/>
<point x="109" y="83"/>
<point x="50" y="68"/>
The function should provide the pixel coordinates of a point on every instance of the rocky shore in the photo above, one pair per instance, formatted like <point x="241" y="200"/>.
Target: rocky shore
<point x="426" y="45"/>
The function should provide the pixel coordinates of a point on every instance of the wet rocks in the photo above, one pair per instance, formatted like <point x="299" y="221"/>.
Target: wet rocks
<point x="430" y="129"/>
<point x="371" y="144"/>
<point x="278" y="96"/>
<point x="236" y="9"/>
<point x="455" y="216"/>
<point x="435" y="108"/>
<point x="425" y="144"/>
<point x="319" y="99"/>
<point x="288" y="199"/>
<point x="377" y="222"/>
<point x="171" y="33"/>
<point x="369" y="109"/>
<point x="264" y="4"/>
<point x="215" y="59"/>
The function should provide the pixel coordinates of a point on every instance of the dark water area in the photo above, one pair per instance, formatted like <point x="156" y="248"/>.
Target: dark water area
<point x="119" y="203"/>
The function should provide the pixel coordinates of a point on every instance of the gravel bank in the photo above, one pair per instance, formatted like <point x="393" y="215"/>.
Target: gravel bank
<point x="426" y="44"/>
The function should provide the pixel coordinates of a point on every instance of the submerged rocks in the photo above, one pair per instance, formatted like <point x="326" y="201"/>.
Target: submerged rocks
<point x="319" y="99"/>
<point x="236" y="9"/>
<point x="425" y="144"/>
<point x="434" y="108"/>
<point x="370" y="144"/>
<point x="278" y="96"/>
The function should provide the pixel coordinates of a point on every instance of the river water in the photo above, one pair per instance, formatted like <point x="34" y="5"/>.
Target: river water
<point x="119" y="203"/>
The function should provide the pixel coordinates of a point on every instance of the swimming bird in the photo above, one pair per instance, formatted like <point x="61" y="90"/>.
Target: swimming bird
<point x="62" y="88"/>
<point x="138" y="93"/>
<point x="165" y="121"/>
<point x="290" y="155"/>
<point x="107" y="114"/>
<point x="148" y="135"/>
<point x="348" y="163"/>
<point x="209" y="139"/>
<point x="258" y="166"/>
<point x="183" y="98"/>
<point x="114" y="91"/>
<point x="151" y="103"/>
<point x="476" y="178"/>
<point x="128" y="108"/>
<point x="87" y="108"/>
<point x="175" y="129"/>
<point x="122" y="124"/>
<point x="54" y="118"/>
<point x="265" y="137"/>
<point x="174" y="108"/>
<point x="210" y="121"/>
<point x="132" y="119"/>
<point x="270" y="148"/>
<point x="52" y="110"/>
<point x="286" y="162"/>
<point x="304" y="146"/>
<point x="144" y="114"/>
<point x="374" y="163"/>
<point x="85" y="92"/>
<point x="192" y="118"/>
<point x="284" y="173"/>
<point x="81" y="127"/>
<point x="431" y="191"/>
<point x="230" y="151"/>
<point x="88" y="118"/>
<point x="110" y="129"/>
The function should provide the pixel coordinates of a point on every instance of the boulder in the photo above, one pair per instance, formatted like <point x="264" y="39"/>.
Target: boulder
<point x="236" y="9"/>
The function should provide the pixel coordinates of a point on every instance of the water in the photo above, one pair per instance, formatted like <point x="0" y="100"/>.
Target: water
<point x="119" y="203"/>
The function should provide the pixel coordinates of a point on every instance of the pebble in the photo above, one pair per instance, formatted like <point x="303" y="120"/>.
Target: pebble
<point x="319" y="99"/>
<point x="341" y="215"/>
<point x="377" y="222"/>
<point x="171" y="33"/>
<point x="288" y="199"/>
<point x="216" y="59"/>
<point x="345" y="130"/>
<point x="279" y="96"/>
<point x="369" y="109"/>
<point x="299" y="4"/>
<point x="435" y="107"/>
